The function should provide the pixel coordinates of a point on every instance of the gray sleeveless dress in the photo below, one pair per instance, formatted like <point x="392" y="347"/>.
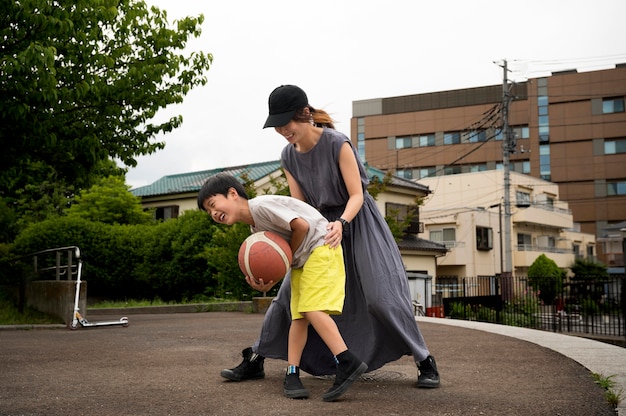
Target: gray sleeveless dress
<point x="377" y="323"/>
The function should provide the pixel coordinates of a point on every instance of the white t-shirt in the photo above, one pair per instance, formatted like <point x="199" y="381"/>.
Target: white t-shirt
<point x="275" y="213"/>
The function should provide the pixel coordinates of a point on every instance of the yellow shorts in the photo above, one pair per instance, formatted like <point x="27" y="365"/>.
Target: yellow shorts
<point x="320" y="285"/>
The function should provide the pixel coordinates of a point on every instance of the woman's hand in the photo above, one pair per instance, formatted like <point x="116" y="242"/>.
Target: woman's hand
<point x="334" y="235"/>
<point x="260" y="285"/>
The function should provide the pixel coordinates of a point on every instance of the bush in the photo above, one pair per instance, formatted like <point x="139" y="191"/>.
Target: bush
<point x="546" y="278"/>
<point x="172" y="262"/>
<point x="175" y="260"/>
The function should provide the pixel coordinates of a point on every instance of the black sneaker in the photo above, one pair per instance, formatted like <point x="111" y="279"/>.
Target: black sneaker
<point x="250" y="368"/>
<point x="293" y="387"/>
<point x="428" y="374"/>
<point x="349" y="369"/>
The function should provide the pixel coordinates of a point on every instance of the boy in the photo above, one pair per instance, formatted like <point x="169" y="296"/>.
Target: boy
<point x="317" y="273"/>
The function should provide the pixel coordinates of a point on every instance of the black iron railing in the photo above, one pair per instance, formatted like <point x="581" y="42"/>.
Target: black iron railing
<point x="594" y="307"/>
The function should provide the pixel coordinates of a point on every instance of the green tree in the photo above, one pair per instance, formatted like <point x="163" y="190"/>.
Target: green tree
<point x="109" y="201"/>
<point x="546" y="277"/>
<point x="585" y="269"/>
<point x="80" y="83"/>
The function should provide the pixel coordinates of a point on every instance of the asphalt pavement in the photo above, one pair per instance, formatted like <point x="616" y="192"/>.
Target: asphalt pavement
<point x="169" y="364"/>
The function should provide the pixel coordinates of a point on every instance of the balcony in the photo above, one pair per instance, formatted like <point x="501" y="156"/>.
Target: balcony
<point x="525" y="255"/>
<point x="544" y="215"/>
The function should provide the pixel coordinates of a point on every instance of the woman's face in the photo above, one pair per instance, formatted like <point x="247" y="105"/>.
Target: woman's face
<point x="293" y="131"/>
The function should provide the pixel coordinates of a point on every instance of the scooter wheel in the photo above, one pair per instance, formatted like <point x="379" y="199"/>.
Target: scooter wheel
<point x="124" y="321"/>
<point x="73" y="326"/>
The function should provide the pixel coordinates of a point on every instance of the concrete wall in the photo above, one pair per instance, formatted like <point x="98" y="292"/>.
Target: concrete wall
<point x="56" y="297"/>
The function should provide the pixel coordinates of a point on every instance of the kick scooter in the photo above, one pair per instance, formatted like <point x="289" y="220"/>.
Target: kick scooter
<point x="78" y="318"/>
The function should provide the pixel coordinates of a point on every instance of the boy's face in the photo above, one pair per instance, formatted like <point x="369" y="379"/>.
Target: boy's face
<point x="222" y="208"/>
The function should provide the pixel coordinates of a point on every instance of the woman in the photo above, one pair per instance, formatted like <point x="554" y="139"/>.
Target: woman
<point x="323" y="169"/>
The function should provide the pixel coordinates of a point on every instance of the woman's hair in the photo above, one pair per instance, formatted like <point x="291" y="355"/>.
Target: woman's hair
<point x="320" y="117"/>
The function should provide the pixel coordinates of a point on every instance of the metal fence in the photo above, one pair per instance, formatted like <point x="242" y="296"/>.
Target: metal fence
<point x="594" y="308"/>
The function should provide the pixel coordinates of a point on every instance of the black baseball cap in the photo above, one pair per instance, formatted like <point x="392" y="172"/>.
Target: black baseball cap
<point x="283" y="103"/>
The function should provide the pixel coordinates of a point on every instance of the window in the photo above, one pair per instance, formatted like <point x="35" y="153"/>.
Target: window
<point x="484" y="238"/>
<point x="405" y="173"/>
<point x="544" y="121"/>
<point x="544" y="162"/>
<point x="614" y="188"/>
<point x="521" y="166"/>
<point x="476" y="136"/>
<point x="612" y="147"/>
<point x="361" y="138"/>
<point x="426" y="172"/>
<point x="522" y="199"/>
<point x="453" y="137"/>
<point x="544" y="133"/>
<point x="446" y="236"/>
<point x="400" y="212"/>
<point x="403" y="142"/>
<point x="524" y="242"/>
<point x="613" y="105"/>
<point x="521" y="132"/>
<point x="478" y="168"/>
<point x="166" y="213"/>
<point x="427" y="140"/>
<point x="451" y="170"/>
<point x="545" y="241"/>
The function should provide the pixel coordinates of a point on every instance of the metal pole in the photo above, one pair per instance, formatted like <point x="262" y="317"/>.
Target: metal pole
<point x="501" y="239"/>
<point x="508" y="263"/>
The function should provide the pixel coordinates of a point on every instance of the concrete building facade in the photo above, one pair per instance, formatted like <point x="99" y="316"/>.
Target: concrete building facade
<point x="464" y="212"/>
<point x="568" y="128"/>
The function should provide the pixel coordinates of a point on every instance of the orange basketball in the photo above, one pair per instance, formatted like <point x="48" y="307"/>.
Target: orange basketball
<point x="265" y="255"/>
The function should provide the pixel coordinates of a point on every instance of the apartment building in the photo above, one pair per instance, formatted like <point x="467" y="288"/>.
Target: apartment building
<point x="568" y="128"/>
<point x="465" y="213"/>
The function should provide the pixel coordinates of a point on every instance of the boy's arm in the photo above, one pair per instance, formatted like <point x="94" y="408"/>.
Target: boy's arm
<point x="299" y="229"/>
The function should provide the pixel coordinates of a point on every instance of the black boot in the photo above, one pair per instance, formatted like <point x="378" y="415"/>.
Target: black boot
<point x="428" y="374"/>
<point x="293" y="387"/>
<point x="250" y="368"/>
<point x="349" y="368"/>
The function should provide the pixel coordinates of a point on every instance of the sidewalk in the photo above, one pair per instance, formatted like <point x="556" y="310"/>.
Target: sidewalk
<point x="597" y="357"/>
<point x="169" y="364"/>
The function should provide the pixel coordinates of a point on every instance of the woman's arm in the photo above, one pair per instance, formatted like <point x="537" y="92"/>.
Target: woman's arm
<point x="294" y="188"/>
<point x="352" y="178"/>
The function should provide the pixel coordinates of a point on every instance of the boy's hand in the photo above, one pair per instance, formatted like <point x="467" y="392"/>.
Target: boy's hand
<point x="260" y="285"/>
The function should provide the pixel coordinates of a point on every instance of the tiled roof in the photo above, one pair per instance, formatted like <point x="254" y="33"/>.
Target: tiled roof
<point x="192" y="181"/>
<point x="396" y="180"/>
<point x="412" y="242"/>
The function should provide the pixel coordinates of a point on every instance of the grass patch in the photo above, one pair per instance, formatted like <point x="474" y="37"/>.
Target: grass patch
<point x="10" y="315"/>
<point x="614" y="398"/>
<point x="154" y="302"/>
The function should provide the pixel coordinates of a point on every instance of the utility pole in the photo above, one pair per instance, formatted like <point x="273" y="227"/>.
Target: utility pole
<point x="507" y="149"/>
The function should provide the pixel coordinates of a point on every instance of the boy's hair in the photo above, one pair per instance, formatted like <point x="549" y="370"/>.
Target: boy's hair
<point x="219" y="185"/>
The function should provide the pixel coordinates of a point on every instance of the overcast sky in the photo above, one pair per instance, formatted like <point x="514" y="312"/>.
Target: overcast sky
<point x="341" y="51"/>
